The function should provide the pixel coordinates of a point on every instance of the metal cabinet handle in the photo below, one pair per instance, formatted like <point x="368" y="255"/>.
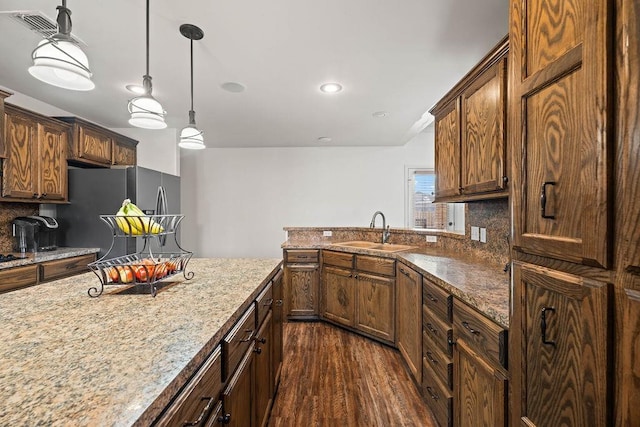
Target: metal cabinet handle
<point x="543" y="200"/>
<point x="432" y="329"/>
<point x="430" y="357"/>
<point x="543" y="325"/>
<point x="469" y="328"/>
<point x="279" y="302"/>
<point x="406" y="273"/>
<point x="203" y="414"/>
<point x="433" y="395"/>
<point x="431" y="298"/>
<point x="268" y="302"/>
<point x="247" y="339"/>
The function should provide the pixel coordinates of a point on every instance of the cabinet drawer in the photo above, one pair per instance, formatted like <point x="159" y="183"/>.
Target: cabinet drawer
<point x="199" y="399"/>
<point x="66" y="267"/>
<point x="94" y="145"/>
<point x="480" y="333"/>
<point x="437" y="300"/>
<point x="440" y="332"/>
<point x="302" y="255"/>
<point x="264" y="301"/>
<point x="438" y="398"/>
<point x="377" y="265"/>
<point x="338" y="259"/>
<point x="17" y="277"/>
<point x="236" y="342"/>
<point x="437" y="361"/>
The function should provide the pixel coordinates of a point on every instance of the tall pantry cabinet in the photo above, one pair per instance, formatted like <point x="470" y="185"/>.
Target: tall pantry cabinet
<point x="575" y="134"/>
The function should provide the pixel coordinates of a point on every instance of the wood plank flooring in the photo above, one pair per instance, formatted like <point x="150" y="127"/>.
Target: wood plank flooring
<point x="332" y="378"/>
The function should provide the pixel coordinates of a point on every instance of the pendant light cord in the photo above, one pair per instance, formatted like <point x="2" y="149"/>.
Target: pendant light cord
<point x="147" y="37"/>
<point x="191" y="74"/>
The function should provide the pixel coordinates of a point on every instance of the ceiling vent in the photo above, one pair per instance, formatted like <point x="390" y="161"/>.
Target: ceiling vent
<point x="37" y="22"/>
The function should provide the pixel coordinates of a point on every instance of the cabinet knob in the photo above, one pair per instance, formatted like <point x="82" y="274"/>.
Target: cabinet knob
<point x="257" y="350"/>
<point x="224" y="419"/>
<point x="262" y="340"/>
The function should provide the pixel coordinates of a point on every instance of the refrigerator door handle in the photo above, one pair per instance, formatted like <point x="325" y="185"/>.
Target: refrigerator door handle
<point x="161" y="209"/>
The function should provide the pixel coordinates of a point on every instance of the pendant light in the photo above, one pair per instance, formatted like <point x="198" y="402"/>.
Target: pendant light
<point x="146" y="112"/>
<point x="59" y="61"/>
<point x="190" y="136"/>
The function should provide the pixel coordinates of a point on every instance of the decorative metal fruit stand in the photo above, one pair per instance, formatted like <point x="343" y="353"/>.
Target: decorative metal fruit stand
<point x="147" y="270"/>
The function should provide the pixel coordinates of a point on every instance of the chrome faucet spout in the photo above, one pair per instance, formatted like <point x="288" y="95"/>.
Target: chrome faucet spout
<point x="385" y="229"/>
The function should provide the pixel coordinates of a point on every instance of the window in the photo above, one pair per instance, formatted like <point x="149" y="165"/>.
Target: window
<point x="422" y="213"/>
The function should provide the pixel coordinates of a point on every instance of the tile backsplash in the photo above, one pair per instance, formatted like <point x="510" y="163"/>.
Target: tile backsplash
<point x="8" y="211"/>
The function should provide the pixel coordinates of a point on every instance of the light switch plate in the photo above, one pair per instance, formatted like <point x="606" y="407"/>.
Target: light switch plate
<point x="475" y="233"/>
<point x="432" y="239"/>
<point x="327" y="233"/>
<point x="483" y="235"/>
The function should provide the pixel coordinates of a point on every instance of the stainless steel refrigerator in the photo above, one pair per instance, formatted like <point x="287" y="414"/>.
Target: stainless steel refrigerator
<point x="95" y="192"/>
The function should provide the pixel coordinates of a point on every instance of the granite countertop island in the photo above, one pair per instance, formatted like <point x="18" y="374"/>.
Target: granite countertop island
<point x="482" y="284"/>
<point x="68" y="359"/>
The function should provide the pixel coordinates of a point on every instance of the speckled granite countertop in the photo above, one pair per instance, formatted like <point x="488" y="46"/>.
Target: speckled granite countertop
<point x="479" y="283"/>
<point x="116" y="360"/>
<point x="60" y="253"/>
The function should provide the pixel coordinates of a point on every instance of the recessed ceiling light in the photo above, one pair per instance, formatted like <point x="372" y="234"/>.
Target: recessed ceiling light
<point x="234" y="87"/>
<point x="324" y="139"/>
<point x="137" y="89"/>
<point x="331" y="87"/>
<point x="380" y="114"/>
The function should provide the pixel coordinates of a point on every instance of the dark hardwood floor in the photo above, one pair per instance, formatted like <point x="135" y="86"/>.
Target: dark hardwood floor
<point x="332" y="377"/>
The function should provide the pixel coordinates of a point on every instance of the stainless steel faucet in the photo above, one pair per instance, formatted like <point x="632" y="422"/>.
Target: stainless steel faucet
<point x="385" y="229"/>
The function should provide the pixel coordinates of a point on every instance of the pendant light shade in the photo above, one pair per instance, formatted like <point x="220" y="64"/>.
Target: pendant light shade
<point x="190" y="136"/>
<point x="146" y="112"/>
<point x="59" y="61"/>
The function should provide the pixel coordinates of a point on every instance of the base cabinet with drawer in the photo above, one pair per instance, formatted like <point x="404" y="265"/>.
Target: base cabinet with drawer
<point x="480" y="395"/>
<point x="358" y="291"/>
<point x="301" y="284"/>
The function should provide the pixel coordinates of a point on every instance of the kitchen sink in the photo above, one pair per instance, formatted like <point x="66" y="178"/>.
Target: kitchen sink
<point x="384" y="247"/>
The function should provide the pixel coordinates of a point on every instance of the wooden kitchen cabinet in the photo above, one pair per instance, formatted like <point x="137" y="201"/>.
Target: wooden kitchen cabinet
<point x="278" y="318"/>
<point x="560" y="362"/>
<point x="35" y="168"/>
<point x="409" y="318"/>
<point x="339" y="290"/>
<point x="301" y="284"/>
<point x="470" y="133"/>
<point x="237" y="399"/>
<point x="57" y="269"/>
<point x="94" y="145"/>
<point x="3" y="146"/>
<point x="264" y="387"/>
<point x="359" y="293"/>
<point x="18" y="277"/>
<point x="198" y="403"/>
<point x="560" y="119"/>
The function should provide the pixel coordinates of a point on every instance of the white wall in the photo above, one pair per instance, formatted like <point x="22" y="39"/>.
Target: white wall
<point x="236" y="201"/>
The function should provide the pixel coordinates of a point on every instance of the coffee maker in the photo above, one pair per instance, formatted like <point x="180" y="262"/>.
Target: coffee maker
<point x="34" y="234"/>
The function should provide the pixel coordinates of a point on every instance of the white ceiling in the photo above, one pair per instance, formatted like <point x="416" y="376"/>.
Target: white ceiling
<point x="398" y="56"/>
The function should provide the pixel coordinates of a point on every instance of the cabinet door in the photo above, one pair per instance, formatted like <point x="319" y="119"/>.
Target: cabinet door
<point x="409" y="318"/>
<point x="20" y="169"/>
<point x="447" y="150"/>
<point x="375" y="306"/>
<point x="560" y="103"/>
<point x="52" y="149"/>
<point x="94" y="145"/>
<point x="338" y="287"/>
<point x="123" y="154"/>
<point x="276" y="357"/>
<point x="302" y="291"/>
<point x="483" y="147"/>
<point x="480" y="390"/>
<point x="631" y="357"/>
<point x="263" y="376"/>
<point x="559" y="356"/>
<point x="237" y="398"/>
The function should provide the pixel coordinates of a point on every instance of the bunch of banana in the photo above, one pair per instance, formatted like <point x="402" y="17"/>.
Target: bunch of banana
<point x="131" y="220"/>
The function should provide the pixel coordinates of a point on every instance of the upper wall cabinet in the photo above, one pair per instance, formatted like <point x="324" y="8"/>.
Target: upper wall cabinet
<point x="560" y="128"/>
<point x="34" y="168"/>
<point x="3" y="95"/>
<point x="470" y="137"/>
<point x="93" y="145"/>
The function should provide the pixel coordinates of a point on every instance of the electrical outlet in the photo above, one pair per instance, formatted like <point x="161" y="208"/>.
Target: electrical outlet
<point x="475" y="233"/>
<point x="483" y="235"/>
<point x="327" y="233"/>
<point x="432" y="239"/>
